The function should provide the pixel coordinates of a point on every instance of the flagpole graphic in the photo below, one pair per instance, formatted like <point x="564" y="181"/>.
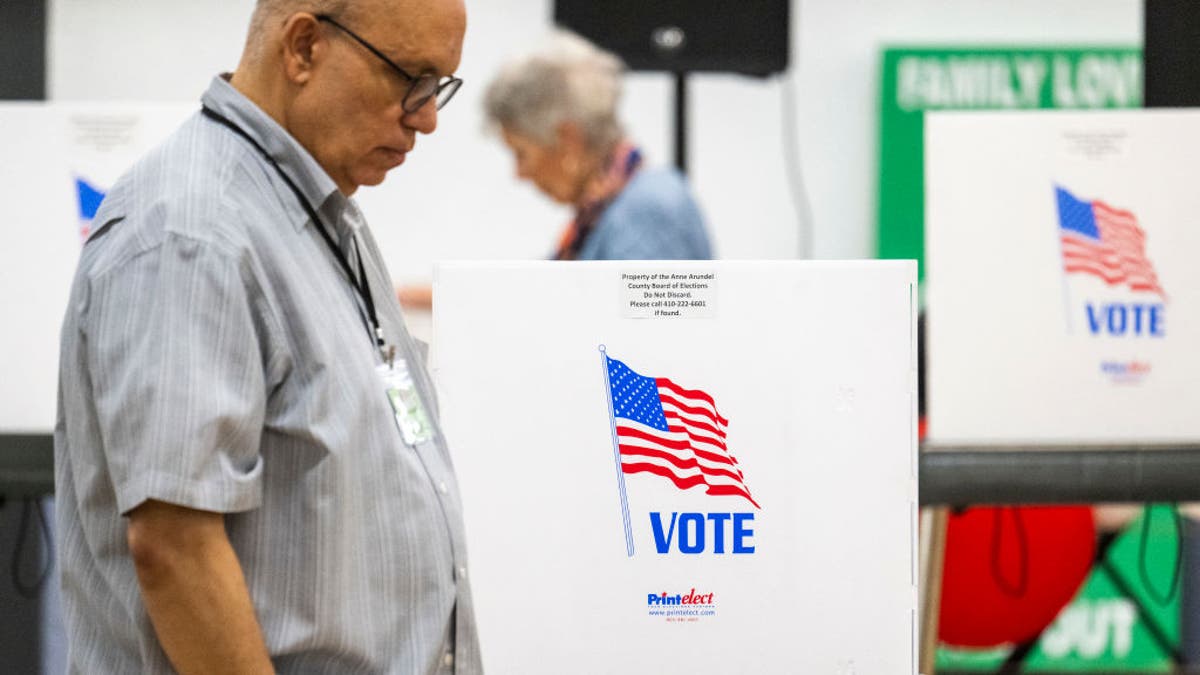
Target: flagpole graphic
<point x="612" y="423"/>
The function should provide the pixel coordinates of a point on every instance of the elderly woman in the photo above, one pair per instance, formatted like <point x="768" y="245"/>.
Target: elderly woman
<point x="556" y="109"/>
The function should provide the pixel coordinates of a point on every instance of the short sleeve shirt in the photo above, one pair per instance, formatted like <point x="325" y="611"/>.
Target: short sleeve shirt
<point x="215" y="356"/>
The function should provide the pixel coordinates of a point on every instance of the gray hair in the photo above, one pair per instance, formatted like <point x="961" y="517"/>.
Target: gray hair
<point x="568" y="79"/>
<point x="267" y="13"/>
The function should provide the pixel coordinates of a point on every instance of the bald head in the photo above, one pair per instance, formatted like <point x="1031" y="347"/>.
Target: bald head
<point x="270" y="16"/>
<point x="339" y="86"/>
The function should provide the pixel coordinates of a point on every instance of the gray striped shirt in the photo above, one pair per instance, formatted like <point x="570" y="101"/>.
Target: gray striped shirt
<point x="215" y="356"/>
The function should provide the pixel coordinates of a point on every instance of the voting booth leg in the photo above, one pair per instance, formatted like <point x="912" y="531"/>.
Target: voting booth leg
<point x="681" y="122"/>
<point x="933" y="553"/>
<point x="1190" y="611"/>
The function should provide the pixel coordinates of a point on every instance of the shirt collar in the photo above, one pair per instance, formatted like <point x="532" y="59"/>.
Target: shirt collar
<point x="314" y="183"/>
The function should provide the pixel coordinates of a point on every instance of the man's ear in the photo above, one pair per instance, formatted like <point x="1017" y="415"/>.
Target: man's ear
<point x="302" y="46"/>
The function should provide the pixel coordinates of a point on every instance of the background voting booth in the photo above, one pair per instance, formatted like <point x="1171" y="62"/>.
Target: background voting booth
<point x="1064" y="295"/>
<point x="704" y="467"/>
<point x="1063" y="318"/>
<point x="59" y="160"/>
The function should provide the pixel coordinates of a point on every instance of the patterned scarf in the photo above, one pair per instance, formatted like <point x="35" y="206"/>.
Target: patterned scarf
<point x="619" y="168"/>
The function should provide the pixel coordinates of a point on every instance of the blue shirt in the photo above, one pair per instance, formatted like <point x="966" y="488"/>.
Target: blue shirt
<point x="654" y="218"/>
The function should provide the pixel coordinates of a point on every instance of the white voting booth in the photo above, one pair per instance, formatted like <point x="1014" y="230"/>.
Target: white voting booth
<point x="767" y="527"/>
<point x="1063" y="309"/>
<point x="59" y="159"/>
<point x="1063" y="290"/>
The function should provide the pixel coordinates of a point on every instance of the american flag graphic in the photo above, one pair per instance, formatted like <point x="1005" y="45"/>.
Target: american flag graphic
<point x="1104" y="242"/>
<point x="669" y="431"/>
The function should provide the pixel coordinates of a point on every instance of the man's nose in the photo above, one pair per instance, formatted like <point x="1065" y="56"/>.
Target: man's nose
<point x="423" y="119"/>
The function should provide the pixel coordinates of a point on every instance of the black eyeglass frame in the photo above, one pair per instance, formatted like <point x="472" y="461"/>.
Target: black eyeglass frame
<point x="449" y="84"/>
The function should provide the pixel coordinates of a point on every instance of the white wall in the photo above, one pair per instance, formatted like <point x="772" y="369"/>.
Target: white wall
<point x="465" y="202"/>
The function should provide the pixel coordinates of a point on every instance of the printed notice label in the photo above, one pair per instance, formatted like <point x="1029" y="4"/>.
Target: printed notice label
<point x="668" y="295"/>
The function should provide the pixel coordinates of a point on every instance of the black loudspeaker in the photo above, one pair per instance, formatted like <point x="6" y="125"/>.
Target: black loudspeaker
<point x="23" y="50"/>
<point x="738" y="36"/>
<point x="1172" y="66"/>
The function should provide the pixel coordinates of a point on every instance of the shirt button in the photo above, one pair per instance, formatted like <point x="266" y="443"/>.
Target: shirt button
<point x="448" y="659"/>
<point x="462" y="573"/>
<point x="442" y="488"/>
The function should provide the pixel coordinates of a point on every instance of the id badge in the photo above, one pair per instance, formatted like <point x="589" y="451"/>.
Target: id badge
<point x="411" y="417"/>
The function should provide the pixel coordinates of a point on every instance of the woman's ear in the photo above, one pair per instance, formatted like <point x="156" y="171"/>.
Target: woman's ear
<point x="570" y="138"/>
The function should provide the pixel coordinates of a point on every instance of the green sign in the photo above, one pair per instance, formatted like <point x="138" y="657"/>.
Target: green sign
<point x="1125" y="619"/>
<point x="920" y="79"/>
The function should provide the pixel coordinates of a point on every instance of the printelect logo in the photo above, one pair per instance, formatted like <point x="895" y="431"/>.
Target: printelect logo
<point x="692" y="598"/>
<point x="681" y="607"/>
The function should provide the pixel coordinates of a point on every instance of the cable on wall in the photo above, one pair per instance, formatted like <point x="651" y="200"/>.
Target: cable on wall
<point x="791" y="154"/>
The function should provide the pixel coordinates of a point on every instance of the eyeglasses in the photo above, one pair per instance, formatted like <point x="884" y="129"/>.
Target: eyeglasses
<point x="420" y="88"/>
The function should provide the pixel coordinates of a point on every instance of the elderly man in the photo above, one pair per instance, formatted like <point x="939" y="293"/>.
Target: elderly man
<point x="250" y="471"/>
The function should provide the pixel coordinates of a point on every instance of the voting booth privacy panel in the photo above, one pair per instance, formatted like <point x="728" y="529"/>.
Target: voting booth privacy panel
<point x="59" y="161"/>
<point x="702" y="467"/>
<point x="1063" y="290"/>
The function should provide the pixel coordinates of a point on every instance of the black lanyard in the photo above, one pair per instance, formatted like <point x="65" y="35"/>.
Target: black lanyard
<point x="360" y="284"/>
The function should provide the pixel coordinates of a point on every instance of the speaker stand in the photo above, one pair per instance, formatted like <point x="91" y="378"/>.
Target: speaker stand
<point x="681" y="115"/>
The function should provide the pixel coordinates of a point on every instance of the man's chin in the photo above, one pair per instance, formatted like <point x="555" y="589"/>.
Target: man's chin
<point x="374" y="172"/>
<point x="371" y="178"/>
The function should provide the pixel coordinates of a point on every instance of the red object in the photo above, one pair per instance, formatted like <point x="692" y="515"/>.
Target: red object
<point x="1010" y="570"/>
